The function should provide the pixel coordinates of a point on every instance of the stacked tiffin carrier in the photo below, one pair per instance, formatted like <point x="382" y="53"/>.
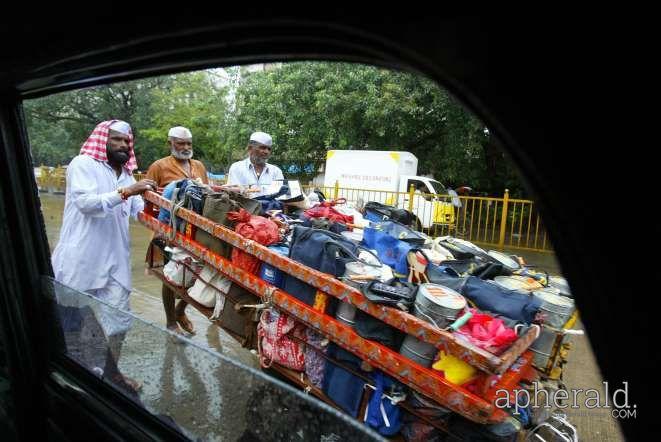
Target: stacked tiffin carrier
<point x="376" y="318"/>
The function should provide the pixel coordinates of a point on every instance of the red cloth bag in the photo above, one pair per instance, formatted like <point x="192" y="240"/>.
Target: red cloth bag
<point x="275" y="346"/>
<point x="326" y="210"/>
<point x="257" y="228"/>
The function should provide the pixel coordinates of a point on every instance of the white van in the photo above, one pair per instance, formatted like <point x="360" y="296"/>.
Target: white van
<point x="386" y="177"/>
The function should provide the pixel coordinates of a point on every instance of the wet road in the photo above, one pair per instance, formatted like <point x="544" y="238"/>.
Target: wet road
<point x="146" y="297"/>
<point x="196" y="399"/>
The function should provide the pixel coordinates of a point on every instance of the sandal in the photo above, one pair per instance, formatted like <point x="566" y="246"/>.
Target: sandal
<point x="185" y="324"/>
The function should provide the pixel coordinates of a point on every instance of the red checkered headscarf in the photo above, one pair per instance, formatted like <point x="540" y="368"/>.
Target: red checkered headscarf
<point x="96" y="143"/>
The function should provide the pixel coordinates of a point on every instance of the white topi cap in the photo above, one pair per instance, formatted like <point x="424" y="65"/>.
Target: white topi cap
<point x="262" y="138"/>
<point x="121" y="126"/>
<point x="180" y="132"/>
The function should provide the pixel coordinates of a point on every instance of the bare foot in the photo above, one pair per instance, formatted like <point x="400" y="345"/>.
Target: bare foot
<point x="176" y="329"/>
<point x="136" y="385"/>
<point x="186" y="324"/>
<point x="132" y="383"/>
<point x="177" y="332"/>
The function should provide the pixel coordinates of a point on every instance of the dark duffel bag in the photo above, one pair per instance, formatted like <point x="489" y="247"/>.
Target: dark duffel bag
<point x="340" y="385"/>
<point x="475" y="267"/>
<point x="487" y="295"/>
<point x="216" y="207"/>
<point x="237" y="320"/>
<point x="321" y="250"/>
<point x="446" y="276"/>
<point x="510" y="304"/>
<point x="369" y="327"/>
<point x="323" y="224"/>
<point x="377" y="212"/>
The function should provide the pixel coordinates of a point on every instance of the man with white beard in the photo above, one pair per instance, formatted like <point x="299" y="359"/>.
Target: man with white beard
<point x="178" y="165"/>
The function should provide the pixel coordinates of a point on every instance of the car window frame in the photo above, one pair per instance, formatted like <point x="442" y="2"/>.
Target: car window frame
<point x="87" y="70"/>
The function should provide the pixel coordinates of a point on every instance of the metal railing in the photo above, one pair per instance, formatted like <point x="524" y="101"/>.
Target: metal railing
<point x="486" y="221"/>
<point x="52" y="179"/>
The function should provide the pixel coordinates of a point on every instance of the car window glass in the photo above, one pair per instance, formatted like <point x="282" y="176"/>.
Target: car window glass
<point x="309" y="110"/>
<point x="420" y="187"/>
<point x="6" y="400"/>
<point x="438" y="187"/>
<point x="200" y="393"/>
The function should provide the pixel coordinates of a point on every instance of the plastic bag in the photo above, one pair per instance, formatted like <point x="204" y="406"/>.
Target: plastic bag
<point x="208" y="286"/>
<point x="181" y="269"/>
<point x="487" y="332"/>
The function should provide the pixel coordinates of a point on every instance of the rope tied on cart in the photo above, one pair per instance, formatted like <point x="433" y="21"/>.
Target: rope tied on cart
<point x="268" y="301"/>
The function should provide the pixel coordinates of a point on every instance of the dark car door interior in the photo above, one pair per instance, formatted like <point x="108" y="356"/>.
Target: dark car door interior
<point x="519" y="77"/>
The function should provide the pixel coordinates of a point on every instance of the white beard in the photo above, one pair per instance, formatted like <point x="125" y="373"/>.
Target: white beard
<point x="180" y="155"/>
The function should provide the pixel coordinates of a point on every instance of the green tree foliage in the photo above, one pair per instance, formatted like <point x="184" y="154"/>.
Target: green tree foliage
<point x="308" y="108"/>
<point x="313" y="106"/>
<point x="193" y="101"/>
<point x="59" y="124"/>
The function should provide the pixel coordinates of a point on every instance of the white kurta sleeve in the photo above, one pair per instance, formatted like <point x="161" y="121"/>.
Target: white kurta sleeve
<point x="83" y="184"/>
<point x="137" y="205"/>
<point x="136" y="201"/>
<point x="231" y="175"/>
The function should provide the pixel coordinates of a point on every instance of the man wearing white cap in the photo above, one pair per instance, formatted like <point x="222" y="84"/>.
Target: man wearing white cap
<point x="178" y="165"/>
<point x="93" y="251"/>
<point x="254" y="171"/>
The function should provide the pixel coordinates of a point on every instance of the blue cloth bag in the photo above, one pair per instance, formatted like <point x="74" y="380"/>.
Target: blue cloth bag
<point x="270" y="202"/>
<point x="322" y="250"/>
<point x="163" y="213"/>
<point x="381" y="414"/>
<point x="392" y="241"/>
<point x="312" y="247"/>
<point x="391" y="251"/>
<point x="274" y="275"/>
<point x="400" y="231"/>
<point x="373" y="216"/>
<point x="188" y="190"/>
<point x="341" y="386"/>
<point x="510" y="303"/>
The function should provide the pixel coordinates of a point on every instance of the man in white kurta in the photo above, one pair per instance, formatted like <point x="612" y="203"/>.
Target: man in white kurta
<point x="254" y="171"/>
<point x="93" y="252"/>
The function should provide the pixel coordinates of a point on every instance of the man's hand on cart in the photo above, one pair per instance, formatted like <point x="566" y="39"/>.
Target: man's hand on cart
<point x="235" y="188"/>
